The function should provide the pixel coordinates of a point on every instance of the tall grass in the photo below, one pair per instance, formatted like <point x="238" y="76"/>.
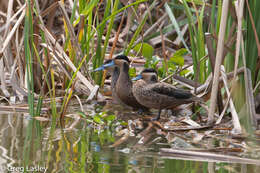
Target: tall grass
<point x="29" y="54"/>
<point x="252" y="34"/>
<point x="197" y="41"/>
<point x="89" y="27"/>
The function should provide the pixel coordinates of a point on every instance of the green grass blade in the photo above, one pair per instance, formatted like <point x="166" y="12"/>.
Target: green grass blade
<point x="139" y="29"/>
<point x="175" y="24"/>
<point x="28" y="39"/>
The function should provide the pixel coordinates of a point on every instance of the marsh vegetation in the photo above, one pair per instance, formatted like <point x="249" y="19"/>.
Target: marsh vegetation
<point x="57" y="113"/>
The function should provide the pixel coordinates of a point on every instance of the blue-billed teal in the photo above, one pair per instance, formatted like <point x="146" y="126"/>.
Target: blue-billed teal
<point x="153" y="94"/>
<point x="123" y="86"/>
<point x="114" y="72"/>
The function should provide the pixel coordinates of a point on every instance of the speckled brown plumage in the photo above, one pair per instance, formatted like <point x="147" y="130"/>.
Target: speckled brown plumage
<point x="160" y="95"/>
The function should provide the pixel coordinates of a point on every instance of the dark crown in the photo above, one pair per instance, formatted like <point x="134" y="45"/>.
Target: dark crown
<point x="123" y="57"/>
<point x="149" y="70"/>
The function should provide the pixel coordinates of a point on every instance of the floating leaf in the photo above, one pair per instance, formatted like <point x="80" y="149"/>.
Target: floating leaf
<point x="145" y="49"/>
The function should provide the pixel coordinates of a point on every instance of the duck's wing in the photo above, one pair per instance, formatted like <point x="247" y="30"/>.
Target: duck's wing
<point x="170" y="91"/>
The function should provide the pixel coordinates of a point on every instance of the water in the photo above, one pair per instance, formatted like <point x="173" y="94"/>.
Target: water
<point x="24" y="147"/>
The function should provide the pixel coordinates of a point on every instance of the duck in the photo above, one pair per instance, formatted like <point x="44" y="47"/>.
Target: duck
<point x="158" y="95"/>
<point x="114" y="72"/>
<point x="123" y="85"/>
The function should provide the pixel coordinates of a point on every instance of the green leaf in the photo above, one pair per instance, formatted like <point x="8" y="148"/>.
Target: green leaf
<point x="97" y="119"/>
<point x="145" y="49"/>
<point x="160" y="72"/>
<point x="82" y="114"/>
<point x="179" y="60"/>
<point x="171" y="67"/>
<point x="183" y="72"/>
<point x="89" y="7"/>
<point x="152" y="62"/>
<point x="181" y="52"/>
<point x="175" y="24"/>
<point x="110" y="118"/>
<point x="132" y="72"/>
<point x="123" y="123"/>
<point x="197" y="2"/>
<point x="178" y="57"/>
<point x="89" y="121"/>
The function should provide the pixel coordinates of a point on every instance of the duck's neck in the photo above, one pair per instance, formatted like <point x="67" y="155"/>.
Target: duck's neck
<point x="124" y="72"/>
<point x="115" y="76"/>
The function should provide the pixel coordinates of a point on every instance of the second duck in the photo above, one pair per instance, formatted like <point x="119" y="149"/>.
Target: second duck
<point x="153" y="94"/>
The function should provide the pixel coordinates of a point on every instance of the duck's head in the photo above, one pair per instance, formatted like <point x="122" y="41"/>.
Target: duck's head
<point x="120" y="60"/>
<point x="117" y="61"/>
<point x="149" y="75"/>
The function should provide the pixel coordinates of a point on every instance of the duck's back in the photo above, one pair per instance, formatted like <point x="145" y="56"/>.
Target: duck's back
<point x="161" y="95"/>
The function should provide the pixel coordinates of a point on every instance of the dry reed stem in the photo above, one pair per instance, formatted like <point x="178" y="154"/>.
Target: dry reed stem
<point x="11" y="33"/>
<point x="212" y="60"/>
<point x="13" y="81"/>
<point x="220" y="48"/>
<point x="8" y="16"/>
<point x="235" y="119"/>
<point x="239" y="11"/>
<point x="250" y="102"/>
<point x="206" y="156"/>
<point x="67" y="60"/>
<point x="148" y="31"/>
<point x="71" y="31"/>
<point x="2" y="79"/>
<point x="178" y="40"/>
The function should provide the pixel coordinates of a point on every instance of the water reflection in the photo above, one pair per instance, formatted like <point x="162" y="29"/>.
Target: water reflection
<point x="24" y="147"/>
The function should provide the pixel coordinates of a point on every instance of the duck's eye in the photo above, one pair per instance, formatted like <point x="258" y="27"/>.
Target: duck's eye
<point x="153" y="78"/>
